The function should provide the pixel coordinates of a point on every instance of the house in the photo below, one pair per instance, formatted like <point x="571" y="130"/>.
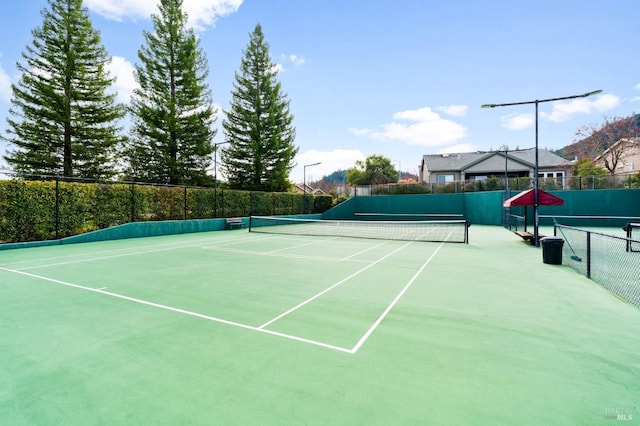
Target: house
<point x="623" y="156"/>
<point x="470" y="166"/>
<point x="300" y="188"/>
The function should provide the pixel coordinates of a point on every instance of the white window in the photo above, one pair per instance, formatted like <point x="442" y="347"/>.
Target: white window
<point x="558" y="176"/>
<point x="445" y="178"/>
<point x="628" y="167"/>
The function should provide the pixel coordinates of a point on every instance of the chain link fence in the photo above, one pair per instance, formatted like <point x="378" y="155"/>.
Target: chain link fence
<point x="38" y="208"/>
<point x="612" y="261"/>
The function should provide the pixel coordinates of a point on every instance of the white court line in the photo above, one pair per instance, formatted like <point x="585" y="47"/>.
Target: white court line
<point x="384" y="314"/>
<point x="181" y="311"/>
<point x="290" y="255"/>
<point x="115" y="256"/>
<point x="365" y="250"/>
<point x="176" y="244"/>
<point x="326" y="290"/>
<point x="300" y="245"/>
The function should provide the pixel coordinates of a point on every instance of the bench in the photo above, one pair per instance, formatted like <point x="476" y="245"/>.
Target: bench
<point x="528" y="236"/>
<point x="232" y="222"/>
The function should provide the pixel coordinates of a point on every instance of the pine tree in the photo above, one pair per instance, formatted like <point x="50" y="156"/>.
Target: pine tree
<point x="173" y="114"/>
<point x="259" y="124"/>
<point x="64" y="122"/>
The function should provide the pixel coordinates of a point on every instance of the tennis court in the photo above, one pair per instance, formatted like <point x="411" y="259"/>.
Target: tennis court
<point x="237" y="327"/>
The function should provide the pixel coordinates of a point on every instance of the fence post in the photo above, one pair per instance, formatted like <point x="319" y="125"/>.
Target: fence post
<point x="588" y="254"/>
<point x="133" y="203"/>
<point x="57" y="212"/>
<point x="185" y="203"/>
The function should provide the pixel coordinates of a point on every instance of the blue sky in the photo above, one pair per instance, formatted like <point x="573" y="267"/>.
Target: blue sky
<point x="399" y="78"/>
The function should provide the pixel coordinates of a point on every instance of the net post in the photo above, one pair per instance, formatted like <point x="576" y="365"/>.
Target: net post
<point x="466" y="232"/>
<point x="588" y="254"/>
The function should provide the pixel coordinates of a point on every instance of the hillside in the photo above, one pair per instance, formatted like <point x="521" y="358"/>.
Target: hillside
<point x="600" y="139"/>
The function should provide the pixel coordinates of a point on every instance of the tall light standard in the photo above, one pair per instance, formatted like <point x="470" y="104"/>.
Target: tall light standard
<point x="535" y="178"/>
<point x="304" y="184"/>
<point x="215" y="162"/>
<point x="215" y="176"/>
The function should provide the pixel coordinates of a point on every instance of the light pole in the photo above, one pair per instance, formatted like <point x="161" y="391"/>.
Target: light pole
<point x="215" y="162"/>
<point x="215" y="176"/>
<point x="535" y="178"/>
<point x="304" y="184"/>
<point x="399" y="170"/>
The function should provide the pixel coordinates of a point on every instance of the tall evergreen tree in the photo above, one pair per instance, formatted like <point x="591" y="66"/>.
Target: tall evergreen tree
<point x="259" y="124"/>
<point x="63" y="120"/>
<point x="173" y="114"/>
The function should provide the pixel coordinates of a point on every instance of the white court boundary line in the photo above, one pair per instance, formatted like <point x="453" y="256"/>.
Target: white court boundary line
<point x="120" y="252"/>
<point x="262" y="328"/>
<point x="178" y="310"/>
<point x="153" y="249"/>
<point x="384" y="314"/>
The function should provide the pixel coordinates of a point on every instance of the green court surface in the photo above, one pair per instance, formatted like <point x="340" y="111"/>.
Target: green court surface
<point x="232" y="327"/>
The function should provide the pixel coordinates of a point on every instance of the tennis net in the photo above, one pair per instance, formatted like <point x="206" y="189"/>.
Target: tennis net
<point x="451" y="231"/>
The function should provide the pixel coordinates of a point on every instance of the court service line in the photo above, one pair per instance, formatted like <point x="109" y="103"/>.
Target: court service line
<point x="284" y="255"/>
<point x="129" y="250"/>
<point x="384" y="314"/>
<point x="299" y="245"/>
<point x="180" y="311"/>
<point x="328" y="289"/>
<point x="364" y="251"/>
<point x="115" y="256"/>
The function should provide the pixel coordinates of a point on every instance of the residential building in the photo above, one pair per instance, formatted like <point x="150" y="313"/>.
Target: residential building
<point x="623" y="156"/>
<point x="471" y="166"/>
<point x="300" y="188"/>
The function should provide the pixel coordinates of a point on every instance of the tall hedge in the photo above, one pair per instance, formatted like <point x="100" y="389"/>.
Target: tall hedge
<point x="29" y="212"/>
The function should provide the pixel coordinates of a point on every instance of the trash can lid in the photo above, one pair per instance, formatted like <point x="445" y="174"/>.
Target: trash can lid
<point x="551" y="239"/>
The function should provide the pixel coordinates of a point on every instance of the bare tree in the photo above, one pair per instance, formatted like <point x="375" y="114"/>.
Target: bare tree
<point x="611" y="142"/>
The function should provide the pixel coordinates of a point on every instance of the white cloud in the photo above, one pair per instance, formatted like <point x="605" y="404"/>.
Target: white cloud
<point x="637" y="86"/>
<point x="455" y="110"/>
<point x="297" y="60"/>
<point x="359" y="132"/>
<point x="422" y="127"/>
<point x="123" y="70"/>
<point x="202" y="13"/>
<point x="330" y="161"/>
<point x="515" y="121"/>
<point x="5" y="85"/>
<point x="562" y="111"/>
<point x="462" y="147"/>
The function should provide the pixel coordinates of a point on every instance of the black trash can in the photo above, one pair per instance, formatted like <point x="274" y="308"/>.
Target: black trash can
<point x="552" y="250"/>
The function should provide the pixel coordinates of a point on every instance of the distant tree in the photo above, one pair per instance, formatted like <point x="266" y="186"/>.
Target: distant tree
<point x="64" y="121"/>
<point x="172" y="110"/>
<point x="259" y="125"/>
<point x="586" y="167"/>
<point x="375" y="169"/>
<point x="332" y="181"/>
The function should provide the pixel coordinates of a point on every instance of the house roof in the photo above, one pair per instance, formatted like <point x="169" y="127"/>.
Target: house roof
<point x="634" y="142"/>
<point x="299" y="187"/>
<point x="466" y="160"/>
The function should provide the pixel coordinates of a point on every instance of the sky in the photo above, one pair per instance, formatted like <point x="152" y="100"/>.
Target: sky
<point x="398" y="78"/>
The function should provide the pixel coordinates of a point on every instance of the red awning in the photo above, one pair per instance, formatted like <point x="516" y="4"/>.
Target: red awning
<point x="527" y="198"/>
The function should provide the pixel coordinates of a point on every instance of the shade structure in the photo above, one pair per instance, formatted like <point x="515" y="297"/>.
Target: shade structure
<point x="528" y="198"/>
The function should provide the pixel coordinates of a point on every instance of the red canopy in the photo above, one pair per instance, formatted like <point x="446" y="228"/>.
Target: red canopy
<point x="528" y="197"/>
